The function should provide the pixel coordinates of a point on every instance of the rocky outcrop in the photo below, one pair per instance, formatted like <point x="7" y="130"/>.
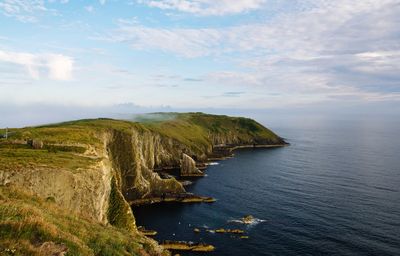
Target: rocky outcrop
<point x="188" y="167"/>
<point x="35" y="144"/>
<point x="134" y="154"/>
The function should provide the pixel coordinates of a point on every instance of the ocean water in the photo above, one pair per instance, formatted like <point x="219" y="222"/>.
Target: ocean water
<point x="334" y="191"/>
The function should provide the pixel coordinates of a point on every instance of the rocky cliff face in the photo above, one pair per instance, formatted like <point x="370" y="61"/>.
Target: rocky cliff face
<point x="134" y="155"/>
<point x="86" y="193"/>
<point x="188" y="167"/>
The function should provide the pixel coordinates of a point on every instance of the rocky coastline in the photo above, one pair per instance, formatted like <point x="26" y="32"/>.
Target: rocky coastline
<point x="99" y="167"/>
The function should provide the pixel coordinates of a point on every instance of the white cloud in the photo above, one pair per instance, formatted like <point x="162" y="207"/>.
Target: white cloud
<point x="58" y="67"/>
<point x="206" y="7"/>
<point x="102" y="2"/>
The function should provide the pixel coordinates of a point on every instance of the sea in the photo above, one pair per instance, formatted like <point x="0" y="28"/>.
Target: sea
<point x="334" y="191"/>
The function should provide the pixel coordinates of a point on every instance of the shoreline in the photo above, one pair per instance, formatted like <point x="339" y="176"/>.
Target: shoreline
<point x="185" y="198"/>
<point x="260" y="146"/>
<point x="225" y="151"/>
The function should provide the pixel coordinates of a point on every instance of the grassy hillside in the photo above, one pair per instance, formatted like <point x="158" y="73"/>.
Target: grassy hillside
<point x="198" y="129"/>
<point x="33" y="226"/>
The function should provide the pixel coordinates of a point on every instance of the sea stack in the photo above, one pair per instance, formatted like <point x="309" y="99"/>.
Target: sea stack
<point x="188" y="167"/>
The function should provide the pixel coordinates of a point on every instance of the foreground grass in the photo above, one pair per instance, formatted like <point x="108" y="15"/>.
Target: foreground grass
<point x="32" y="226"/>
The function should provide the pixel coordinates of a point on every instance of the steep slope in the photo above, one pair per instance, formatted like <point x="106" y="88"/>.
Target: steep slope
<point x="93" y="167"/>
<point x="33" y="226"/>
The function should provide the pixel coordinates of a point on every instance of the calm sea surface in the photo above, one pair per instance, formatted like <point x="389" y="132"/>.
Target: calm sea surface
<point x="334" y="191"/>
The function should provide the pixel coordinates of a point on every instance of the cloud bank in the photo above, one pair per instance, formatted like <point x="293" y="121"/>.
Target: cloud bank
<point x="206" y="7"/>
<point x="54" y="66"/>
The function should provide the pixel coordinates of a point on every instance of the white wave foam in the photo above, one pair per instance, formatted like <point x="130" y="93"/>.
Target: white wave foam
<point x="253" y="223"/>
<point x="212" y="163"/>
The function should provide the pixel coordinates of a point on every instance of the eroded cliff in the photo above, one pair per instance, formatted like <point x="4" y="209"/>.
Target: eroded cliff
<point x="134" y="155"/>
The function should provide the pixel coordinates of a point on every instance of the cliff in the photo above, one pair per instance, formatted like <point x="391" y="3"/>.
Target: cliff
<point x="92" y="168"/>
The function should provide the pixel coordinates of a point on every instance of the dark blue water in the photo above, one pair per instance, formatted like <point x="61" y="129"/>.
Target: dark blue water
<point x="334" y="191"/>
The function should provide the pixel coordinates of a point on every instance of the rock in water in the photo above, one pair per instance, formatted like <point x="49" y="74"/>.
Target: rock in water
<point x="248" y="219"/>
<point x="188" y="167"/>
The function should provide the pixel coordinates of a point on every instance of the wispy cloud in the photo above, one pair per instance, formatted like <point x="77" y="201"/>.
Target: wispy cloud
<point x="206" y="7"/>
<point x="331" y="47"/>
<point x="57" y="66"/>
<point x="190" y="79"/>
<point x="232" y="94"/>
<point x="189" y="43"/>
<point x="22" y="10"/>
<point x="27" y="11"/>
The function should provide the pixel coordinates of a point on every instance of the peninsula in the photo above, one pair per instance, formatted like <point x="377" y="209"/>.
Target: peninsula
<point x="68" y="187"/>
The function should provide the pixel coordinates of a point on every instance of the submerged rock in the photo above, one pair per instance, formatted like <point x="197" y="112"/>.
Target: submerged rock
<point x="248" y="219"/>
<point x="146" y="232"/>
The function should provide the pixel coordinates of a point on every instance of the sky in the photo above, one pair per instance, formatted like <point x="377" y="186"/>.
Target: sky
<point x="65" y="59"/>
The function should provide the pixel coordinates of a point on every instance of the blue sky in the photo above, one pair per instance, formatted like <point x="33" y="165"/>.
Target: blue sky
<point x="200" y="54"/>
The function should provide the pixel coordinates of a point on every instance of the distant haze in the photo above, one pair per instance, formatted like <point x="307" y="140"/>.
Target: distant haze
<point x="36" y="114"/>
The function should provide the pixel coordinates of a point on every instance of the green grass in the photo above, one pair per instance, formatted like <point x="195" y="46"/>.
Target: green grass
<point x="21" y="157"/>
<point x="118" y="208"/>
<point x="26" y="222"/>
